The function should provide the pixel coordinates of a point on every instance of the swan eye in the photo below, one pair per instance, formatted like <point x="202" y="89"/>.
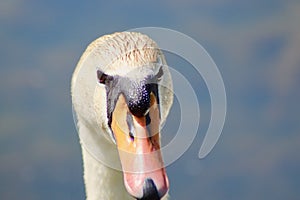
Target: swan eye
<point x="160" y="74"/>
<point x="102" y="77"/>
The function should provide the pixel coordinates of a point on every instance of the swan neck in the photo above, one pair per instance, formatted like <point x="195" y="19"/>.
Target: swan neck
<point x="102" y="182"/>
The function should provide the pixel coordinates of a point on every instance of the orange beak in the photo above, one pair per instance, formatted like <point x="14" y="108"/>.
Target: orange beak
<point x="138" y="144"/>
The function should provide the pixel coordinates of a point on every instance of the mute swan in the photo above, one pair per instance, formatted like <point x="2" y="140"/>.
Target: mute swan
<point x="121" y="94"/>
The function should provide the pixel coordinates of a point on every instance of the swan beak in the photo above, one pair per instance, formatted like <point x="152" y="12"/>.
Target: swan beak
<point x="138" y="144"/>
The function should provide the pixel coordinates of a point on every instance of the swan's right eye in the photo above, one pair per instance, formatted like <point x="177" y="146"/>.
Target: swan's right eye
<point x="102" y="77"/>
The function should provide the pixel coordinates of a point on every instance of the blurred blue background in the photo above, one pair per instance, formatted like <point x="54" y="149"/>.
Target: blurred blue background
<point x="255" y="44"/>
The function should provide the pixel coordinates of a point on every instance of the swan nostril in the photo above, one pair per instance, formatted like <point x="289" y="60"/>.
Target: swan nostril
<point x="149" y="190"/>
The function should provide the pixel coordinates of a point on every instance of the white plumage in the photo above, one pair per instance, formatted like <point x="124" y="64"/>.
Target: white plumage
<point x="127" y="55"/>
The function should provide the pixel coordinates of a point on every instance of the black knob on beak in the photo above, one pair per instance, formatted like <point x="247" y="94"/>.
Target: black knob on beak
<point x="139" y="100"/>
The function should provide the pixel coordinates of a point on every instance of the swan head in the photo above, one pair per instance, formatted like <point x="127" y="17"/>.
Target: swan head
<point x="130" y="95"/>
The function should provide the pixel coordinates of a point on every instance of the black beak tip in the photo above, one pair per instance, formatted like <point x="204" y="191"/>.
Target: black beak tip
<point x="150" y="191"/>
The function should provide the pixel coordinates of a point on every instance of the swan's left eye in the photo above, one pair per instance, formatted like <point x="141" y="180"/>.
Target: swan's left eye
<point x="160" y="74"/>
<point x="102" y="77"/>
